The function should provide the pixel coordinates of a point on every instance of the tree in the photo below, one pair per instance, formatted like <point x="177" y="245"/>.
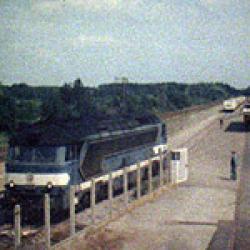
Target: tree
<point x="8" y="121"/>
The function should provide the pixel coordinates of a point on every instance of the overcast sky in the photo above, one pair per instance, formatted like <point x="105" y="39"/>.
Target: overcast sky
<point x="52" y="42"/>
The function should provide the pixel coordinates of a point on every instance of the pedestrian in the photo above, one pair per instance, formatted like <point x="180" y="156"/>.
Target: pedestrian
<point x="221" y="123"/>
<point x="234" y="165"/>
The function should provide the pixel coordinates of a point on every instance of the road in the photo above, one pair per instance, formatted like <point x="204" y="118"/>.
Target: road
<point x="196" y="215"/>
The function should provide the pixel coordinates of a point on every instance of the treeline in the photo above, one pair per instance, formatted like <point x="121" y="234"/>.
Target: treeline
<point x="21" y="103"/>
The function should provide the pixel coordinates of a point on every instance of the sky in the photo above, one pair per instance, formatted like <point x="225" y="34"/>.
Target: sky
<point x="50" y="42"/>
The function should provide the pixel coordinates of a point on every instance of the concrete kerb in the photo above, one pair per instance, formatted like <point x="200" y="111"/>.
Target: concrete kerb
<point x="93" y="229"/>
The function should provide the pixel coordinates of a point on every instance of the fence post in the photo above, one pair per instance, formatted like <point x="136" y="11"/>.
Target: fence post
<point x="161" y="168"/>
<point x="125" y="186"/>
<point x="138" y="181"/>
<point x="149" y="176"/>
<point x="93" y="200"/>
<point x="110" y="194"/>
<point x="17" y="216"/>
<point x="47" y="220"/>
<point x="72" y="211"/>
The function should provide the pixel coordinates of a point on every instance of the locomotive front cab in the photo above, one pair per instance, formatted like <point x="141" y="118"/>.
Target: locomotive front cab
<point x="42" y="166"/>
<point x="32" y="171"/>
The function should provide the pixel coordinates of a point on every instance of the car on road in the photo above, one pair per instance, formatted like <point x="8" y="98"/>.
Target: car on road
<point x="233" y="103"/>
<point x="246" y="113"/>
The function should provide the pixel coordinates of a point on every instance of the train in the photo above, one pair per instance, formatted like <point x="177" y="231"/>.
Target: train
<point x="50" y="156"/>
<point x="233" y="103"/>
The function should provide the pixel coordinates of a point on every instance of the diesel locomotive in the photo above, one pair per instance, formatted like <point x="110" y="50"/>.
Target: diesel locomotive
<point x="50" y="156"/>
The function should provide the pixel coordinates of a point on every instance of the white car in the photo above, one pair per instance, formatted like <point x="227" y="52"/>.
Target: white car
<point x="234" y="103"/>
<point x="230" y="105"/>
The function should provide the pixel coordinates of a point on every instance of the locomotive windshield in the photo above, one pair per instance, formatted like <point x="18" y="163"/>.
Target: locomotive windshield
<point x="33" y="154"/>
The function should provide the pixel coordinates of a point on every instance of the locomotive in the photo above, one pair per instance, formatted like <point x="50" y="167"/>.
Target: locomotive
<point x="50" y="156"/>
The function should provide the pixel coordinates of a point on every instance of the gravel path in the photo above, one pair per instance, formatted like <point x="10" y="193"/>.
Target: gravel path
<point x="195" y="215"/>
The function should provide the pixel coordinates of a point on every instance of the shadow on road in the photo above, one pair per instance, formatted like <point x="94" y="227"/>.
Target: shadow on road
<point x="227" y="111"/>
<point x="222" y="236"/>
<point x="191" y="223"/>
<point x="239" y="127"/>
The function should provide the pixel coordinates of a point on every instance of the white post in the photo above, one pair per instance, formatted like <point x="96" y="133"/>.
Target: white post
<point x="110" y="194"/>
<point x="138" y="181"/>
<point x="125" y="186"/>
<point x="17" y="216"/>
<point x="47" y="220"/>
<point x="93" y="200"/>
<point x="149" y="176"/>
<point x="72" y="211"/>
<point x="161" y="168"/>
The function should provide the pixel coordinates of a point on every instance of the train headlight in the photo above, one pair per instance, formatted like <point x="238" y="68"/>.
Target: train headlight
<point x="49" y="185"/>
<point x="12" y="184"/>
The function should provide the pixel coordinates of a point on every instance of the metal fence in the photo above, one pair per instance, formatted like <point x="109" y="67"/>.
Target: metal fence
<point x="112" y="207"/>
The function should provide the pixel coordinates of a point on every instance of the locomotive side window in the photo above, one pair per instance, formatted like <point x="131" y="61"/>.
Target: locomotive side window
<point x="72" y="152"/>
<point x="33" y="154"/>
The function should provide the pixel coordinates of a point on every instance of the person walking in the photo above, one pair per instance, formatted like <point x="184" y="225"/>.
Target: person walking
<point x="234" y="165"/>
<point x="221" y="123"/>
